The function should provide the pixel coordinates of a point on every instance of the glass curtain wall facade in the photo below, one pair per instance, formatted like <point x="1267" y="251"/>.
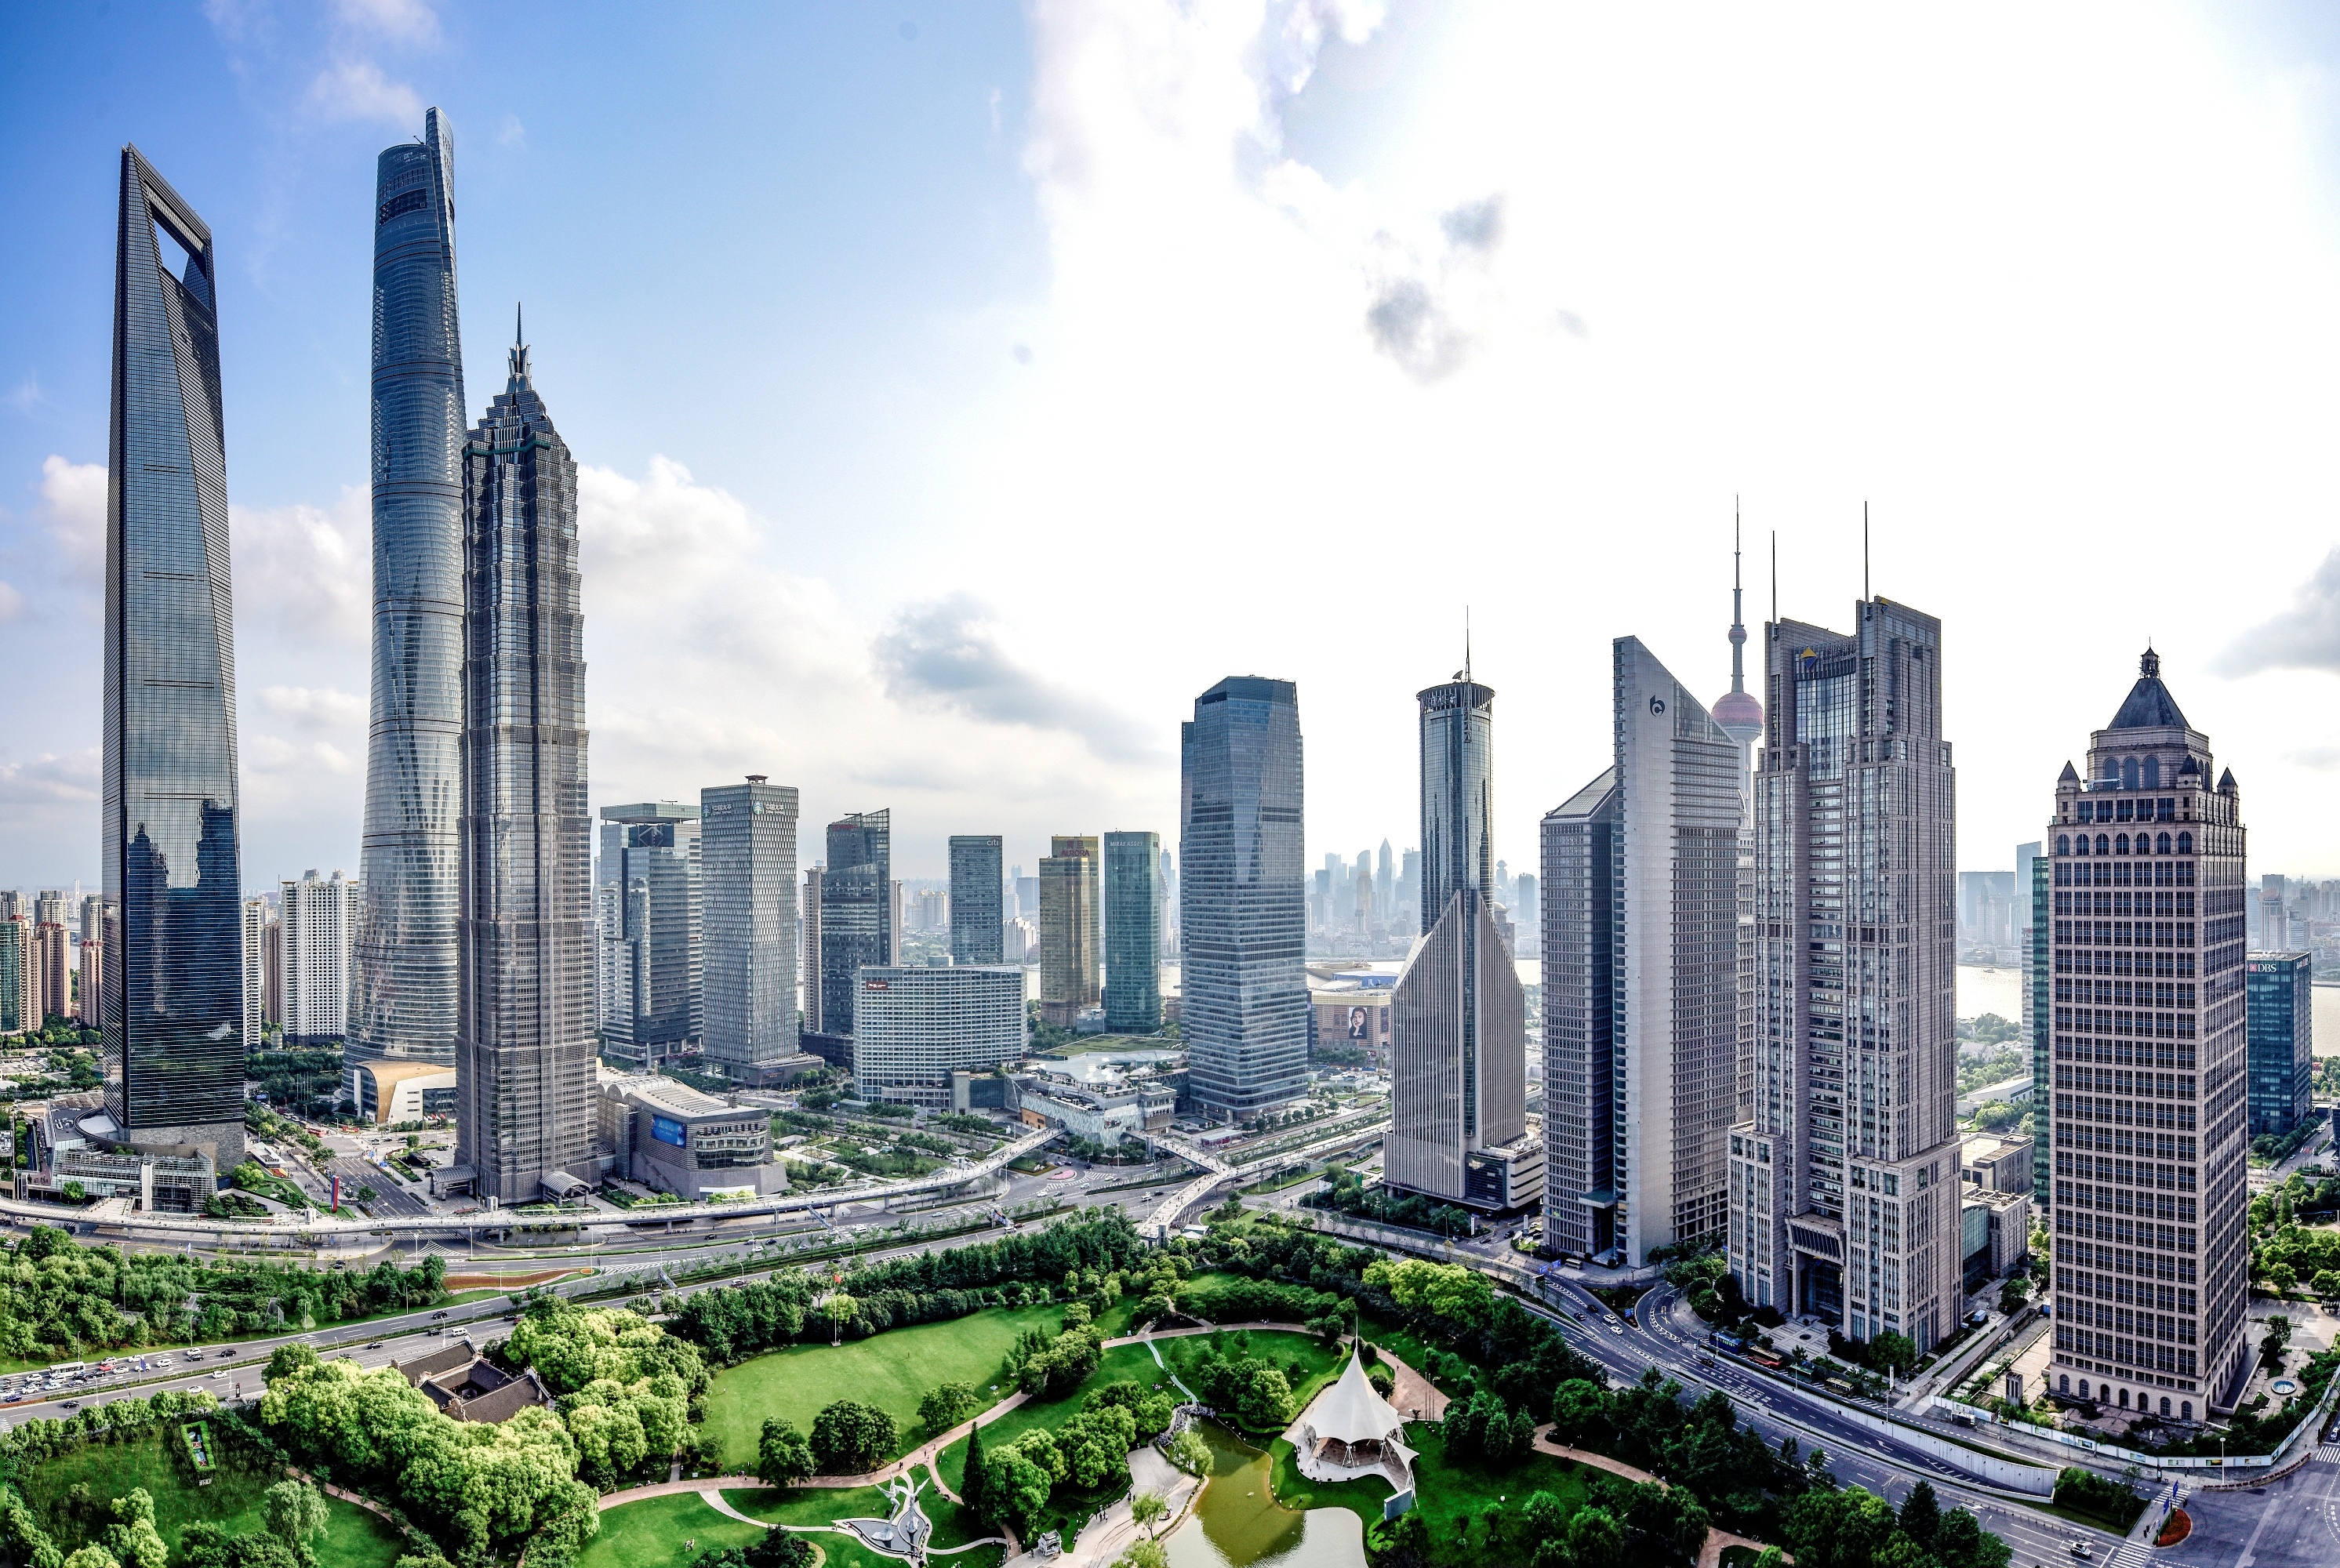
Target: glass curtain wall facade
<point x="2280" y="1008"/>
<point x="1243" y="913"/>
<point x="173" y="1014"/>
<point x="976" y="894"/>
<point x="1132" y="933"/>
<point x="1662" y="828"/>
<point x="857" y="902"/>
<point x="404" y="999"/>
<point x="524" y="1023"/>
<point x="1458" y="768"/>
<point x="2148" y="1117"/>
<point x="1844" y="1182"/>
<point x="747" y="895"/>
<point x="649" y="850"/>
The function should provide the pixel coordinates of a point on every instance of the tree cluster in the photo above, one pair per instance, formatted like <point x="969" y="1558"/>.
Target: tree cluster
<point x="480" y="1489"/>
<point x="731" y="1324"/>
<point x="1825" y="1528"/>
<point x="1484" y="1430"/>
<point x="779" y="1548"/>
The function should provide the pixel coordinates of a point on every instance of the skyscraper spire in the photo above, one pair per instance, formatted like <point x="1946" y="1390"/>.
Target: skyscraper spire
<point x="519" y="357"/>
<point x="1739" y="714"/>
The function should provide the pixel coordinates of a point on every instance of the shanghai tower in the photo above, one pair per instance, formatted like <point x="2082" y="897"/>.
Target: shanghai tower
<point x="524" y="1032"/>
<point x="172" y="1010"/>
<point x="402" y="998"/>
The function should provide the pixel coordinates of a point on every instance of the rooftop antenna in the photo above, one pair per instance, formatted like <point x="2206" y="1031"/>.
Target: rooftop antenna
<point x="1466" y="642"/>
<point x="1864" y="549"/>
<point x="1775" y="575"/>
<point x="1738" y="626"/>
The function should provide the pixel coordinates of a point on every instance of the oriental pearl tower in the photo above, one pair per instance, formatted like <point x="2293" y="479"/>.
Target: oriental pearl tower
<point x="1739" y="715"/>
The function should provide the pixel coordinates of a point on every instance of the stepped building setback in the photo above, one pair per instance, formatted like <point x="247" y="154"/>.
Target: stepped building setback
<point x="2149" y="1123"/>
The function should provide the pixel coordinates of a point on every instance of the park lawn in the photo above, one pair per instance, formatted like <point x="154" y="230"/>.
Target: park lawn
<point x="653" y="1532"/>
<point x="827" y="1506"/>
<point x="353" y="1538"/>
<point x="1450" y="1497"/>
<point x="1318" y="1363"/>
<point x="1122" y="1361"/>
<point x="892" y="1371"/>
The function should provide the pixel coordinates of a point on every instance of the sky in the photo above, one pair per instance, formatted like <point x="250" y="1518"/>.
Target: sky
<point x="960" y="390"/>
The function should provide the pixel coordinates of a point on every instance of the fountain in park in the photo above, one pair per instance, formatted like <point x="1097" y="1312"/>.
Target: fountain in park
<point x="904" y="1532"/>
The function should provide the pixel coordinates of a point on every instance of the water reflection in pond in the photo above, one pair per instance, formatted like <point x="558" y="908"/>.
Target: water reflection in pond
<point x="1239" y="1524"/>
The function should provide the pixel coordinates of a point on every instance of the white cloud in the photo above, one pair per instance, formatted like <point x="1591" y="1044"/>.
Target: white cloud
<point x="306" y="570"/>
<point x="357" y="90"/>
<point x="410" y="22"/>
<point x="74" y="495"/>
<point x="2306" y="636"/>
<point x="314" y="707"/>
<point x="511" y="132"/>
<point x="49" y="779"/>
<point x="27" y="395"/>
<point x="12" y="603"/>
<point x="953" y="654"/>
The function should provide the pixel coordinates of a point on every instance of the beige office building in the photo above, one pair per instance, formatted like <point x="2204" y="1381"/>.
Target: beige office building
<point x="1071" y="940"/>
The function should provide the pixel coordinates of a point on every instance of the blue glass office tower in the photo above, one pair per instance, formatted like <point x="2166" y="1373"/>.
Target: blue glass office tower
<point x="978" y="915"/>
<point x="172" y="1011"/>
<point x="1458" y="852"/>
<point x="2279" y="1002"/>
<point x="524" y="1040"/>
<point x="402" y="995"/>
<point x="1132" y="933"/>
<point x="1242" y="912"/>
<point x="857" y="912"/>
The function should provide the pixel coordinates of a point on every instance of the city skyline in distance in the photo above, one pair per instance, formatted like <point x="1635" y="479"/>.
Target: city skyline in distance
<point x="764" y="533"/>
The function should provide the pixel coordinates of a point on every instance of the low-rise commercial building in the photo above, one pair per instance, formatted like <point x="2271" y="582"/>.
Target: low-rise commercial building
<point x="1995" y="1228"/>
<point x="388" y="1092"/>
<point x="75" y="1143"/>
<point x="1997" y="1164"/>
<point x="667" y="1136"/>
<point x="1103" y="1115"/>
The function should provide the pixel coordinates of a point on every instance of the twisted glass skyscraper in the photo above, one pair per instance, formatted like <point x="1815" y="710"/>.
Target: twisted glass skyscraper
<point x="403" y="998"/>
<point x="172" y="1012"/>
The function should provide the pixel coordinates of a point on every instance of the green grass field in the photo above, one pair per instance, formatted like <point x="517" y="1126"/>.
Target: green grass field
<point x="1450" y="1496"/>
<point x="656" y="1533"/>
<point x="353" y="1538"/>
<point x="821" y="1505"/>
<point x="892" y="1371"/>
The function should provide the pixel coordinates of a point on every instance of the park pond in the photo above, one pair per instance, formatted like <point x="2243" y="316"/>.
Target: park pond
<point x="1238" y="1523"/>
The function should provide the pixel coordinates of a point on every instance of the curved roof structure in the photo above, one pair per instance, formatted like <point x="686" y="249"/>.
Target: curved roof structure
<point x="2149" y="704"/>
<point x="1351" y="1412"/>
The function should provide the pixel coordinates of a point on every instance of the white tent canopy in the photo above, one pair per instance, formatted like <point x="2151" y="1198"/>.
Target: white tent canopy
<point x="1350" y="1411"/>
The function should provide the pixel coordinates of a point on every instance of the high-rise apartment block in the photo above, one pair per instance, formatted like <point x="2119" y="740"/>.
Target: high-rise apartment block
<point x="20" y="987"/>
<point x="53" y="956"/>
<point x="173" y="1010"/>
<point x="2150" y="1116"/>
<point x="257" y="918"/>
<point x="1844" y="1181"/>
<point x="2281" y="1026"/>
<point x="913" y="1028"/>
<point x="524" y="1030"/>
<point x="808" y="909"/>
<point x="977" y="889"/>
<point x="747" y="898"/>
<point x="1640" y="1003"/>
<point x="651" y="851"/>
<point x="1071" y="938"/>
<point x="858" y="910"/>
<point x="404" y="1005"/>
<point x="1241" y="902"/>
<point x="319" y="917"/>
<point x="1457" y="1025"/>
<point x="1132" y="933"/>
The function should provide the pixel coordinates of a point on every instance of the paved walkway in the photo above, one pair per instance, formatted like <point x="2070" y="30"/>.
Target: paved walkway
<point x="1709" y="1555"/>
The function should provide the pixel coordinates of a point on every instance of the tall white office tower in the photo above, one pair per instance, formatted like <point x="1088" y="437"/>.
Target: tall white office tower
<point x="1844" y="1177"/>
<point x="747" y="902"/>
<point x="255" y="972"/>
<point x="1641" y="993"/>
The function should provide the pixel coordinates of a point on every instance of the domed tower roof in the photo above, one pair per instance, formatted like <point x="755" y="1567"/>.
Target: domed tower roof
<point x="2149" y="704"/>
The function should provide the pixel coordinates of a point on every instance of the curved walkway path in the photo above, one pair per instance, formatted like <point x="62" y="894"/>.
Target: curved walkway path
<point x="1709" y="1555"/>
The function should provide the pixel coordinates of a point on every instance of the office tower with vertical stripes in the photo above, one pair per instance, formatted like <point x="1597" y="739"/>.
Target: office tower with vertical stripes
<point x="1070" y="929"/>
<point x="1641" y="995"/>
<point x="403" y="1002"/>
<point x="1242" y="914"/>
<point x="524" y="1023"/>
<point x="748" y="905"/>
<point x="1844" y="1179"/>
<point x="1132" y="933"/>
<point x="976" y="892"/>
<point x="857" y="911"/>
<point x="2149" y="1120"/>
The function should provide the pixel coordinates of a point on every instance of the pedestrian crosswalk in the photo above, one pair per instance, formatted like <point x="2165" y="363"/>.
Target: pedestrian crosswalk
<point x="2130" y="1554"/>
<point x="2329" y="1453"/>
